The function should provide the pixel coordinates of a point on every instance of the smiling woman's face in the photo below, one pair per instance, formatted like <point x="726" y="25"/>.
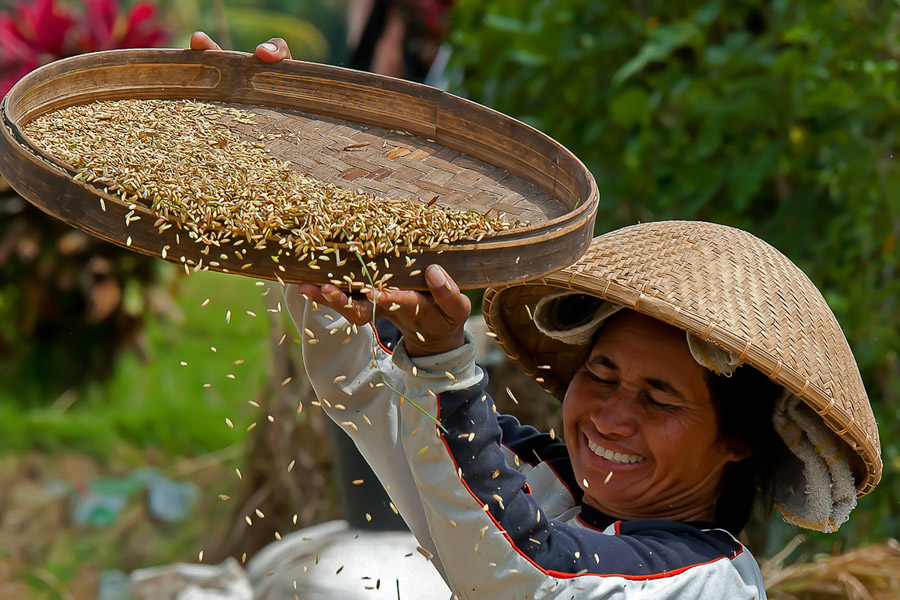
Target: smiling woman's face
<point x="640" y="409"/>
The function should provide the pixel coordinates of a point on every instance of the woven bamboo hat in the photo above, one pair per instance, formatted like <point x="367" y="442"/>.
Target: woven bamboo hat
<point x="721" y="285"/>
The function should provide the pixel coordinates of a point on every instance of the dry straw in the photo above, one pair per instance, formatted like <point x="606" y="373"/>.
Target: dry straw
<point x="866" y="573"/>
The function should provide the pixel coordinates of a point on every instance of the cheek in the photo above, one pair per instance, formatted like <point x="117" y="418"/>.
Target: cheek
<point x="573" y="408"/>
<point x="684" y="441"/>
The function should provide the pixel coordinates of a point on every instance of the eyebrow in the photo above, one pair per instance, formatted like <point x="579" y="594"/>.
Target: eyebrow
<point x="658" y="384"/>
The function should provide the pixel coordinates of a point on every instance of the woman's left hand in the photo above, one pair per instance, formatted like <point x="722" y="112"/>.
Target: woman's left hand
<point x="271" y="51"/>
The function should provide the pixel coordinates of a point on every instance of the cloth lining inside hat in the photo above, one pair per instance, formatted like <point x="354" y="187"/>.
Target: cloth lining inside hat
<point x="573" y="318"/>
<point x="820" y="458"/>
<point x="830" y="493"/>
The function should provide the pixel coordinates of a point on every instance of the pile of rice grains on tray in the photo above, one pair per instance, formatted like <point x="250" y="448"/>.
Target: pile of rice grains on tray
<point x="184" y="160"/>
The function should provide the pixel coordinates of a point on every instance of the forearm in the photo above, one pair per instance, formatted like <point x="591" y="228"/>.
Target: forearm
<point x="356" y="396"/>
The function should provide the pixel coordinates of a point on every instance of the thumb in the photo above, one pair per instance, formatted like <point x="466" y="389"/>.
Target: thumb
<point x="455" y="305"/>
<point x="274" y="50"/>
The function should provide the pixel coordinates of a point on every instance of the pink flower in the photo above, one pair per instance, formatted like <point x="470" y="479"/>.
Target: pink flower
<point x="41" y="31"/>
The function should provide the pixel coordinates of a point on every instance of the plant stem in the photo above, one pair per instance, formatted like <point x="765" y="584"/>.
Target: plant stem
<point x="384" y="379"/>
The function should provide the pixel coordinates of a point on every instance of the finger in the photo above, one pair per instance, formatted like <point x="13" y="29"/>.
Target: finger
<point x="274" y="50"/>
<point x="401" y="301"/>
<point x="455" y="305"/>
<point x="201" y="41"/>
<point x="354" y="310"/>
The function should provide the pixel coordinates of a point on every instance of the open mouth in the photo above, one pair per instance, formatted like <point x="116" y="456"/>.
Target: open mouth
<point x="616" y="457"/>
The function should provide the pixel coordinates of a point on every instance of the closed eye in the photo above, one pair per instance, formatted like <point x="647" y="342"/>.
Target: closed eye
<point x="600" y="380"/>
<point x="660" y="405"/>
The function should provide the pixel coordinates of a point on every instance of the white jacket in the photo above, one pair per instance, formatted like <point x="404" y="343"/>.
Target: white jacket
<point x="494" y="502"/>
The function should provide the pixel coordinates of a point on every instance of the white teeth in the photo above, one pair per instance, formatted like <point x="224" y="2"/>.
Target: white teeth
<point x="618" y="457"/>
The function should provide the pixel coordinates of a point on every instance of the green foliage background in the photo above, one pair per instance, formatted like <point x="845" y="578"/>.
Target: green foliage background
<point x="778" y="117"/>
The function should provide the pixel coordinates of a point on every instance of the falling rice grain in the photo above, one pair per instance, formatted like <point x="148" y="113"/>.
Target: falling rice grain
<point x="510" y="394"/>
<point x="291" y="465"/>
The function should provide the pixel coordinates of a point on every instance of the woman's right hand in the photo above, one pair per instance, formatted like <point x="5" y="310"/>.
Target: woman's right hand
<point x="271" y="51"/>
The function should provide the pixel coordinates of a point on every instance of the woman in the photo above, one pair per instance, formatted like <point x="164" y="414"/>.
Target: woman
<point x="666" y="433"/>
<point x="694" y="362"/>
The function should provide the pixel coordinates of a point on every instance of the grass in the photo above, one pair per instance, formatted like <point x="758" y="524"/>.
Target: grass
<point x="158" y="402"/>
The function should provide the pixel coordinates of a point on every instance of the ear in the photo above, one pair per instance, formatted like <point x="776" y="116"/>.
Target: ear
<point x="737" y="448"/>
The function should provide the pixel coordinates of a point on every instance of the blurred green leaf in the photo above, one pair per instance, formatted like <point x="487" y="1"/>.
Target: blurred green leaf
<point x="630" y="107"/>
<point x="663" y="41"/>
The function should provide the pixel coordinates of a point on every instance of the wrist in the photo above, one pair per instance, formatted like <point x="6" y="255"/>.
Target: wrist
<point x="417" y="349"/>
<point x="431" y="372"/>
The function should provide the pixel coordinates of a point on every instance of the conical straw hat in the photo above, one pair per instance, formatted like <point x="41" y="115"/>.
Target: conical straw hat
<point x="722" y="285"/>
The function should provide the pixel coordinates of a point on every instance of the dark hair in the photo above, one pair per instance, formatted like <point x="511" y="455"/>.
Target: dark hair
<point x="744" y="403"/>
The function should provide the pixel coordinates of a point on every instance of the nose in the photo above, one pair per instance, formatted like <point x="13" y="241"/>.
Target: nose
<point x="616" y="416"/>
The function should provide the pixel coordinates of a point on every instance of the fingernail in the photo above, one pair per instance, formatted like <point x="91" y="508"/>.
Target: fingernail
<point x="269" y="47"/>
<point x="436" y="276"/>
